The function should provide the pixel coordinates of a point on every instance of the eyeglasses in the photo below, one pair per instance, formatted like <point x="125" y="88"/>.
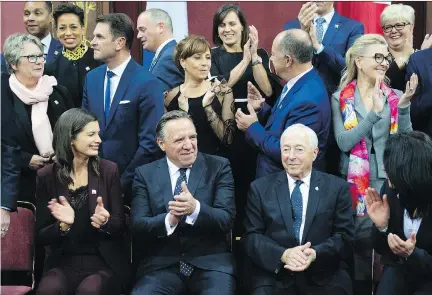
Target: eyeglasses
<point x="398" y="27"/>
<point x="35" y="58"/>
<point x="379" y="58"/>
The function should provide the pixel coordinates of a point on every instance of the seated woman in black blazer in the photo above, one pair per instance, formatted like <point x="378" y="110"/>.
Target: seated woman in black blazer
<point x="79" y="217"/>
<point x="403" y="217"/>
<point x="36" y="102"/>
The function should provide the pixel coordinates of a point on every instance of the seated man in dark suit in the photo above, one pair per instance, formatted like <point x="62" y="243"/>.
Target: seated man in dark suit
<point x="155" y="32"/>
<point x="303" y="100"/>
<point x="299" y="227"/>
<point x="420" y="63"/>
<point x="183" y="208"/>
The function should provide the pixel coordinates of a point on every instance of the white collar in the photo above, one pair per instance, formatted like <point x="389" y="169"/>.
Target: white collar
<point x="118" y="71"/>
<point x="159" y="49"/>
<point x="47" y="40"/>
<point x="328" y="17"/>
<point x="294" y="80"/>
<point x="172" y="168"/>
<point x="306" y="180"/>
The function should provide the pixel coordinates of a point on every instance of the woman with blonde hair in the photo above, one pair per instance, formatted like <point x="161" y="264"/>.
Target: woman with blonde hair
<point x="366" y="111"/>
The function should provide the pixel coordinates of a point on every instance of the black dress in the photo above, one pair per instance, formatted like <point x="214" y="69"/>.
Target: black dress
<point x="71" y="74"/>
<point x="397" y="76"/>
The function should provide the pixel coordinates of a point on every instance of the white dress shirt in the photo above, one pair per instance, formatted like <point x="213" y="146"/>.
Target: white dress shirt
<point x="115" y="79"/>
<point x="174" y="173"/>
<point x="328" y="17"/>
<point x="290" y="84"/>
<point x="410" y="225"/>
<point x="46" y="42"/>
<point x="159" y="49"/>
<point x="304" y="189"/>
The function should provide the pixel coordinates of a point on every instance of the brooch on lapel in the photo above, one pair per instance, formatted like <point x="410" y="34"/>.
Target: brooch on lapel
<point x="56" y="102"/>
<point x="56" y="52"/>
<point x="336" y="26"/>
<point x="87" y="68"/>
<point x="93" y="192"/>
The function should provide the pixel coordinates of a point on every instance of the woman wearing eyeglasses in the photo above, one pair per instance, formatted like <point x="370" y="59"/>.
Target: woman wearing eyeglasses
<point x="36" y="101"/>
<point x="71" y="65"/>
<point x="366" y="111"/>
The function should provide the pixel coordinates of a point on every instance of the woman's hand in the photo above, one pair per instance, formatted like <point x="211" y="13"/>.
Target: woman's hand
<point x="400" y="247"/>
<point x="62" y="211"/>
<point x="253" y="37"/>
<point x="427" y="42"/>
<point x="377" y="99"/>
<point x="410" y="89"/>
<point x="247" y="57"/>
<point x="377" y="209"/>
<point x="101" y="215"/>
<point x="183" y="100"/>
<point x="210" y="94"/>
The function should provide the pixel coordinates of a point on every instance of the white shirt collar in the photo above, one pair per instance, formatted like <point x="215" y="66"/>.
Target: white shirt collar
<point x="328" y="17"/>
<point x="46" y="41"/>
<point x="306" y="180"/>
<point x="172" y="168"/>
<point x="159" y="49"/>
<point x="290" y="84"/>
<point x="118" y="71"/>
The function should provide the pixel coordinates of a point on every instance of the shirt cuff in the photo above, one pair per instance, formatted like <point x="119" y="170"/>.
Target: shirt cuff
<point x="170" y="229"/>
<point x="190" y="219"/>
<point x="6" y="208"/>
<point x="320" y="49"/>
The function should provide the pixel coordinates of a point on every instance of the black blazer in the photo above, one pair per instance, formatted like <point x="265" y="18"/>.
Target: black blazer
<point x="419" y="263"/>
<point x="111" y="239"/>
<point x="328" y="226"/>
<point x="71" y="74"/>
<point x="58" y="103"/>
<point x="204" y="244"/>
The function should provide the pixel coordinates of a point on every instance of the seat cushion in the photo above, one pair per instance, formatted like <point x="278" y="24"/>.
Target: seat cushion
<point x="15" y="290"/>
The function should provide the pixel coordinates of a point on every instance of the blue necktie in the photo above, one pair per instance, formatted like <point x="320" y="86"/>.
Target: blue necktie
<point x="281" y="97"/>
<point x="186" y="269"/>
<point x="320" y="28"/>
<point x="297" y="207"/>
<point x="153" y="63"/>
<point x="108" y="94"/>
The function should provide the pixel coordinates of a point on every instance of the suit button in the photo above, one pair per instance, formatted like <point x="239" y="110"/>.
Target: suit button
<point x="182" y="254"/>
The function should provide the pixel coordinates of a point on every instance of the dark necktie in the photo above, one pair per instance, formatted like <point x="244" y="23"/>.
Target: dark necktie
<point x="186" y="269"/>
<point x="153" y="63"/>
<point x="297" y="207"/>
<point x="108" y="94"/>
<point x="320" y="28"/>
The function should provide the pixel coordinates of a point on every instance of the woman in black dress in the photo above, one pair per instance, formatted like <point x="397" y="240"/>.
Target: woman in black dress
<point x="72" y="64"/>
<point x="213" y="118"/>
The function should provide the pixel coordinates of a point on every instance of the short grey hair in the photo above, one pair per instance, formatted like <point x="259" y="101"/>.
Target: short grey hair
<point x="297" y="43"/>
<point x="172" y="115"/>
<point x="160" y="16"/>
<point x="313" y="138"/>
<point x="397" y="12"/>
<point x="13" y="46"/>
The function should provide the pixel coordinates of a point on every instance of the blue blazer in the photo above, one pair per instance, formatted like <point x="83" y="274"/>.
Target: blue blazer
<point x="165" y="69"/>
<point x="128" y="134"/>
<point x="340" y="35"/>
<point x="306" y="103"/>
<point x="421" y="107"/>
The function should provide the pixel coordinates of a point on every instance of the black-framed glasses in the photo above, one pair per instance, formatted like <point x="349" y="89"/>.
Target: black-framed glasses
<point x="35" y="58"/>
<point x="398" y="27"/>
<point x="379" y="58"/>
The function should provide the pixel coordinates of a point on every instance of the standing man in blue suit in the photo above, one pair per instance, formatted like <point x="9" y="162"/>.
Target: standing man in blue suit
<point x="38" y="21"/>
<point x="127" y="100"/>
<point x="303" y="100"/>
<point x="155" y="33"/>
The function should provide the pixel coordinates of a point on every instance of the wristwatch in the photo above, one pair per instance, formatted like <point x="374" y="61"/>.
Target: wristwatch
<point x="257" y="61"/>
<point x="64" y="228"/>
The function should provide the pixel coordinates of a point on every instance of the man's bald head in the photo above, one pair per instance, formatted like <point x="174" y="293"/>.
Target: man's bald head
<point x="296" y="43"/>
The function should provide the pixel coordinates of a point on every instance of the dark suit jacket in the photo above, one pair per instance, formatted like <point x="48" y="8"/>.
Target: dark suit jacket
<point x="306" y="103"/>
<point x="340" y="35"/>
<point x="10" y="171"/>
<point x="204" y="244"/>
<point x="71" y="74"/>
<point x="58" y="103"/>
<point x="111" y="241"/>
<point x="165" y="69"/>
<point x="128" y="134"/>
<point x="420" y="63"/>
<point x="419" y="263"/>
<point x="328" y="226"/>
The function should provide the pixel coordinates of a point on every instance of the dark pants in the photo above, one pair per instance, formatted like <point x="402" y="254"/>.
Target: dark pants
<point x="396" y="280"/>
<point x="80" y="275"/>
<point x="169" y="281"/>
<point x="324" y="290"/>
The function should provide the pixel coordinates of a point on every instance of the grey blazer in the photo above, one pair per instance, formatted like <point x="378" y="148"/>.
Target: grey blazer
<point x="375" y="128"/>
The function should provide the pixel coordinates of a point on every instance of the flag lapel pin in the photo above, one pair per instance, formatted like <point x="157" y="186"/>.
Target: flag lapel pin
<point x="93" y="192"/>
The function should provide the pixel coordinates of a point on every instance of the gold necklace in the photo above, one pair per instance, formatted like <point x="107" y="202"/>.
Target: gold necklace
<point x="77" y="53"/>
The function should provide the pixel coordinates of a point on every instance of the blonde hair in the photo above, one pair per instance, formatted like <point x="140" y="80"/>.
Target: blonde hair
<point x="358" y="48"/>
<point x="397" y="12"/>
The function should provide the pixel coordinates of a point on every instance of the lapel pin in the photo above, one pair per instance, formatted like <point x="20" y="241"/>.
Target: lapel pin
<point x="337" y="26"/>
<point x="56" y="52"/>
<point x="316" y="188"/>
<point x="87" y="68"/>
<point x="56" y="102"/>
<point x="93" y="192"/>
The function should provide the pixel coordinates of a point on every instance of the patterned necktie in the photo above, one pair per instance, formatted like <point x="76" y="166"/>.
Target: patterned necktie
<point x="283" y="94"/>
<point x="186" y="269"/>
<point x="108" y="94"/>
<point x="153" y="63"/>
<point x="297" y="207"/>
<point x="320" y="28"/>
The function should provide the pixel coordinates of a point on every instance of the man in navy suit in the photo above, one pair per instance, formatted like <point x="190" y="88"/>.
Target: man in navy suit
<point x="303" y="100"/>
<point x="155" y="33"/>
<point x="332" y="35"/>
<point x="182" y="210"/>
<point x="299" y="226"/>
<point x="420" y="63"/>
<point x="38" y="21"/>
<point x="127" y="100"/>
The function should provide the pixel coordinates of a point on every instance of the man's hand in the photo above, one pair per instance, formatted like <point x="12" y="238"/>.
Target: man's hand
<point x="184" y="203"/>
<point x="255" y="98"/>
<point x="400" y="247"/>
<point x="5" y="221"/>
<point x="173" y="219"/>
<point x="244" y="121"/>
<point x="296" y="256"/>
<point x="307" y="13"/>
<point x="101" y="215"/>
<point x="310" y="257"/>
<point x="38" y="162"/>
